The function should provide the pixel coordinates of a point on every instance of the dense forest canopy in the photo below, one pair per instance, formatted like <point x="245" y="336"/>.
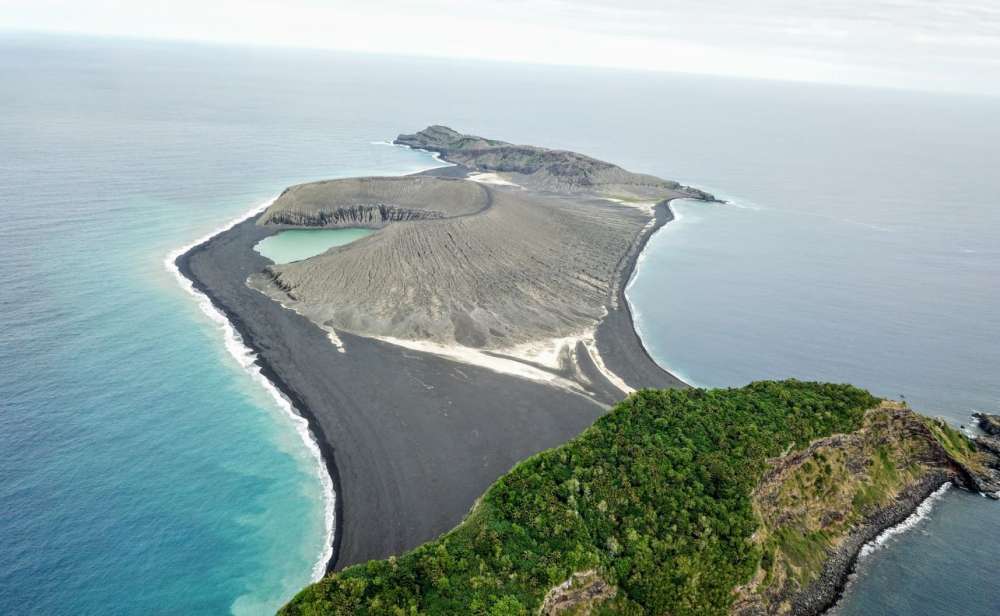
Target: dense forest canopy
<point x="655" y="498"/>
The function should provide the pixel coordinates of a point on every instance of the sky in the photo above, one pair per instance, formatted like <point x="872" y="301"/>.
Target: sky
<point x="949" y="45"/>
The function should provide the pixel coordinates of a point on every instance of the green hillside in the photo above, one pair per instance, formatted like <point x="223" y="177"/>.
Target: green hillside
<point x="654" y="498"/>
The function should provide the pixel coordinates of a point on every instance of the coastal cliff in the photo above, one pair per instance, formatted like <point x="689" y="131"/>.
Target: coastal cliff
<point x="543" y="168"/>
<point x="818" y="506"/>
<point x="743" y="501"/>
<point x="373" y="202"/>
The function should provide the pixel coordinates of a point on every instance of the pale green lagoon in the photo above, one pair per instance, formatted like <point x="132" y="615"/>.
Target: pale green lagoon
<point x="298" y="244"/>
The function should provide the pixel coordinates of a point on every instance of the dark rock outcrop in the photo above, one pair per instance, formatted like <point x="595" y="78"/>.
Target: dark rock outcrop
<point x="990" y="424"/>
<point x="376" y="215"/>
<point x="542" y="168"/>
<point x="581" y="595"/>
<point x="990" y="444"/>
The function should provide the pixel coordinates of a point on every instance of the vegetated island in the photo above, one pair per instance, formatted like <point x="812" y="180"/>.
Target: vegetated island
<point x="485" y="321"/>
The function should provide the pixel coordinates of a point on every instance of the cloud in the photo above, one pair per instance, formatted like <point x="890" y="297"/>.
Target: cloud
<point x="946" y="44"/>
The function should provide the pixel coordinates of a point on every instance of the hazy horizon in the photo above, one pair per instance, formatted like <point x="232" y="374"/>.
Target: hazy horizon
<point x="948" y="46"/>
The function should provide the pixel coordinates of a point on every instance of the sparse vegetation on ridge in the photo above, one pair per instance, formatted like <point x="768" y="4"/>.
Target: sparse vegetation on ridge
<point x="818" y="506"/>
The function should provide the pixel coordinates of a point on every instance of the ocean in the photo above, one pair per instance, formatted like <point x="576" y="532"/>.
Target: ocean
<point x="145" y="469"/>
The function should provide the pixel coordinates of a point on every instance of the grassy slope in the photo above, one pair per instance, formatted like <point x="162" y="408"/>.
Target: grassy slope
<point x="812" y="500"/>
<point x="656" y="496"/>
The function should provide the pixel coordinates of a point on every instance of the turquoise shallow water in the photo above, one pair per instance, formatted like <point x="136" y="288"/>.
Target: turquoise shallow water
<point x="143" y="470"/>
<point x="298" y="244"/>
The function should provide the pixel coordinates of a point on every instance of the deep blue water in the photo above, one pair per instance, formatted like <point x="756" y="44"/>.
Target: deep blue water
<point x="143" y="470"/>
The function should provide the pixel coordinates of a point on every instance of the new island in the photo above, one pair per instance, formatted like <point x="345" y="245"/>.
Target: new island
<point x="498" y="438"/>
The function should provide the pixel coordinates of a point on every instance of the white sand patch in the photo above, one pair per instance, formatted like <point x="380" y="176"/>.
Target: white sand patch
<point x="646" y="207"/>
<point x="616" y="380"/>
<point x="335" y="339"/>
<point x="491" y="178"/>
<point x="547" y="355"/>
<point x="546" y="352"/>
<point x="477" y="357"/>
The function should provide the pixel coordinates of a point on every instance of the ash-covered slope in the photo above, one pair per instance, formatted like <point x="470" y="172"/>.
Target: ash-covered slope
<point x="542" y="168"/>
<point x="457" y="261"/>
<point x="525" y="267"/>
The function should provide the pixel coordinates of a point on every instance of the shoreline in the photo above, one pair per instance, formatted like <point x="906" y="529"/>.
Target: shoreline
<point x="672" y="216"/>
<point x="840" y="570"/>
<point x="248" y="359"/>
<point x="615" y="347"/>
<point x="918" y="513"/>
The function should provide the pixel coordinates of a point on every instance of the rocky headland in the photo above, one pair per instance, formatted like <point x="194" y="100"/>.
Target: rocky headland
<point x="544" y="169"/>
<point x="819" y="506"/>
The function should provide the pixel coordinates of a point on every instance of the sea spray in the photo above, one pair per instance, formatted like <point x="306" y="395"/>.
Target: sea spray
<point x="435" y="155"/>
<point x="247" y="359"/>
<point x="921" y="513"/>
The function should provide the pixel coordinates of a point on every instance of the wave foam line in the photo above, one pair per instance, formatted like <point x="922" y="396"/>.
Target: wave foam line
<point x="246" y="358"/>
<point x="923" y="510"/>
<point x="673" y="225"/>
<point x="435" y="155"/>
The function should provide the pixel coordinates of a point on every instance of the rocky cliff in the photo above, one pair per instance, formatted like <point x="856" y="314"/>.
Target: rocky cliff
<point x="990" y="424"/>
<point x="373" y="202"/>
<point x="819" y="506"/>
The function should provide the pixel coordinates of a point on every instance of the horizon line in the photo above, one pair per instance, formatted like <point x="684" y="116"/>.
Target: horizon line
<point x="265" y="45"/>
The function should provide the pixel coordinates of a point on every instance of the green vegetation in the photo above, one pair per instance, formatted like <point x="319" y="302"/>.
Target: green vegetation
<point x="955" y="443"/>
<point x="655" y="497"/>
<point x="812" y="500"/>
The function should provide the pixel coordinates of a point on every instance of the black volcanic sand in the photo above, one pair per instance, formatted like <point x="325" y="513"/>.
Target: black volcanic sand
<point x="411" y="439"/>
<point x="619" y="345"/>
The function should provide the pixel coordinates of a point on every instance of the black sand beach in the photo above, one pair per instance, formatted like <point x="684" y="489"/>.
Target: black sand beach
<point x="410" y="439"/>
<point x="617" y="340"/>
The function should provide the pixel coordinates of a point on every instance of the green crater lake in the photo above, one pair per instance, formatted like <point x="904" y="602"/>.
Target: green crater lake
<point x="298" y="244"/>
